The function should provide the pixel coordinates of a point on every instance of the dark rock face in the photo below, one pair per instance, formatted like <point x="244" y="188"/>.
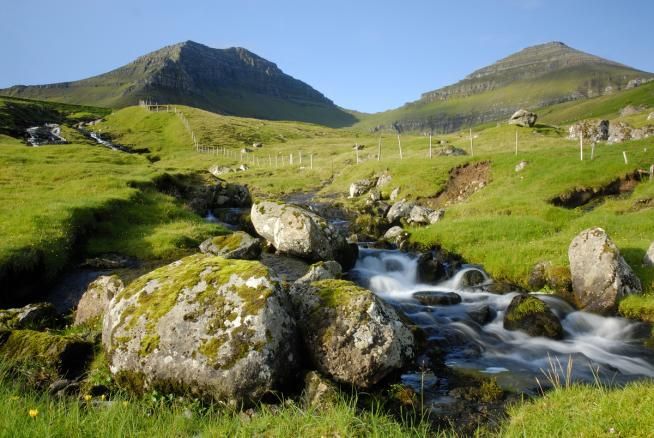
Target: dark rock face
<point x="532" y="316"/>
<point x="600" y="276"/>
<point x="432" y="298"/>
<point x="36" y="316"/>
<point x="431" y="268"/>
<point x="95" y="300"/>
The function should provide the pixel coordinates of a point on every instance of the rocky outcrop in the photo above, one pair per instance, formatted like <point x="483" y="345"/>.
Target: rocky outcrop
<point x="591" y="130"/>
<point x="319" y="392"/>
<point x="95" y="300"/>
<point x="650" y="116"/>
<point x="532" y="316"/>
<point x="350" y="334"/>
<point x="396" y="235"/>
<point x="296" y="231"/>
<point x="36" y="316"/>
<point x="231" y="195"/>
<point x="450" y="151"/>
<point x="322" y="271"/>
<point x="420" y="215"/>
<point x="600" y="276"/>
<point x="621" y="132"/>
<point x="237" y="245"/>
<point x="362" y="187"/>
<point x="203" y="325"/>
<point x="523" y="118"/>
<point x="218" y="170"/>
<point x="522" y="165"/>
<point x="435" y="298"/>
<point x="400" y="210"/>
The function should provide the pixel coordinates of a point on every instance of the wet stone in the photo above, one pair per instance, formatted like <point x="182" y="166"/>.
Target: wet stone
<point x="431" y="298"/>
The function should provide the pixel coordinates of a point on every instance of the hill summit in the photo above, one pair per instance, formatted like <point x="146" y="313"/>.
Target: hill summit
<point x="230" y="81"/>
<point x="534" y="77"/>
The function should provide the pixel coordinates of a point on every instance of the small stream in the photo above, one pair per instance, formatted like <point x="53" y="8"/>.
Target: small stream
<point x="609" y="347"/>
<point x="49" y="133"/>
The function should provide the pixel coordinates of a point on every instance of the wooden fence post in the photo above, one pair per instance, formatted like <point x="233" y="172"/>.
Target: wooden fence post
<point x="379" y="148"/>
<point x="581" y="146"/>
<point x="430" y="145"/>
<point x="472" y="150"/>
<point x="311" y="159"/>
<point x="624" y="154"/>
<point x="399" y="145"/>
<point x="516" y="141"/>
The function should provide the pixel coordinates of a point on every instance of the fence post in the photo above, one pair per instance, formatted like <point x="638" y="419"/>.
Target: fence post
<point x="581" y="146"/>
<point x="624" y="154"/>
<point x="379" y="148"/>
<point x="311" y="159"/>
<point x="592" y="151"/>
<point x="472" y="150"/>
<point x="516" y="141"/>
<point x="651" y="172"/>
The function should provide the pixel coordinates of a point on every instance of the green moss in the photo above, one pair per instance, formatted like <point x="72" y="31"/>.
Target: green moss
<point x="173" y="279"/>
<point x="338" y="293"/>
<point x="640" y="307"/>
<point x="528" y="306"/>
<point x="229" y="242"/>
<point x="210" y="348"/>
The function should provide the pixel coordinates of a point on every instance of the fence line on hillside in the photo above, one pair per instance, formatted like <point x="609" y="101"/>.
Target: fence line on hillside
<point x="249" y="157"/>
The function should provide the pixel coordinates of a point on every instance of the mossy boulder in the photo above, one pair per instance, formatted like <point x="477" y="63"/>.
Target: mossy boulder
<point x="350" y="334"/>
<point x="600" y="276"/>
<point x="532" y="316"/>
<point x="95" y="300"/>
<point x="322" y="271"/>
<point x="237" y="245"/>
<point x="50" y="355"/>
<point x="36" y="316"/>
<point x="296" y="231"/>
<point x="319" y="392"/>
<point x="216" y="328"/>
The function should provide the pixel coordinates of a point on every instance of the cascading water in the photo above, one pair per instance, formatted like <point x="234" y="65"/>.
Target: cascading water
<point x="472" y="336"/>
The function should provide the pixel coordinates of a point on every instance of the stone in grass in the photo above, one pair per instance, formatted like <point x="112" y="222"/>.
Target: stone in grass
<point x="648" y="259"/>
<point x="532" y="316"/>
<point x="237" y="245"/>
<point x="95" y="300"/>
<point x="207" y="326"/>
<point x="350" y="334"/>
<point x="600" y="276"/>
<point x="36" y="316"/>
<point x="64" y="356"/>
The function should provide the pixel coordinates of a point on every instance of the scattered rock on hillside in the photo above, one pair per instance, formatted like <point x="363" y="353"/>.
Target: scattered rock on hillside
<point x="521" y="166"/>
<point x="374" y="195"/>
<point x="95" y="300"/>
<point x="217" y="170"/>
<point x="203" y="325"/>
<point x="420" y="215"/>
<point x="629" y="110"/>
<point x="361" y="187"/>
<point x="394" y="194"/>
<point x="237" y="245"/>
<point x="600" y="276"/>
<point x="523" y="118"/>
<point x="620" y="132"/>
<point x="257" y="145"/>
<point x="301" y="233"/>
<point x="318" y="392"/>
<point x="322" y="271"/>
<point x="592" y="130"/>
<point x="532" y="316"/>
<point x="231" y="195"/>
<point x="450" y="151"/>
<point x="648" y="260"/>
<point x="350" y="334"/>
<point x="400" y="210"/>
<point x="384" y="179"/>
<point x="650" y="116"/>
<point x="396" y="235"/>
<point x="36" y="316"/>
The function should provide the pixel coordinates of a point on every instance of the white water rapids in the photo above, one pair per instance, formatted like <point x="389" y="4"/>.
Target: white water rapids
<point x="612" y="346"/>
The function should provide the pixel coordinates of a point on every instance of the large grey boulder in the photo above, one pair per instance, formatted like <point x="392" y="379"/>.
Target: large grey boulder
<point x="299" y="232"/>
<point x="420" y="215"/>
<point x="400" y="210"/>
<point x="650" y="116"/>
<point x="361" y="187"/>
<point x="396" y="235"/>
<point x="217" y="170"/>
<point x="600" y="276"/>
<point x="35" y="316"/>
<point x="95" y="300"/>
<point x="203" y="325"/>
<point x="349" y="333"/>
<point x="591" y="130"/>
<point x="648" y="260"/>
<point x="237" y="245"/>
<point x="532" y="316"/>
<point x="523" y="118"/>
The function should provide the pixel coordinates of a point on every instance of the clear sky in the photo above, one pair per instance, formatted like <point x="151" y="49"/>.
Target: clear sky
<point x="364" y="55"/>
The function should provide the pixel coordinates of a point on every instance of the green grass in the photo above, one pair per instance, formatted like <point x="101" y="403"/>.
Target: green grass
<point x="586" y="411"/>
<point x="164" y="416"/>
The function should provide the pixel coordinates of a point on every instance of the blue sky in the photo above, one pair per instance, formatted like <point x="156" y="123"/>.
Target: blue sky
<point x="364" y="55"/>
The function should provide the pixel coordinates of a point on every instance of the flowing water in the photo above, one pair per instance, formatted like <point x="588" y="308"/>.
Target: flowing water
<point x="472" y="336"/>
<point x="49" y="133"/>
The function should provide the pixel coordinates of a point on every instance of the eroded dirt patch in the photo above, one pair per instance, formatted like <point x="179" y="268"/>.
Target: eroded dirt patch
<point x="464" y="180"/>
<point x="591" y="197"/>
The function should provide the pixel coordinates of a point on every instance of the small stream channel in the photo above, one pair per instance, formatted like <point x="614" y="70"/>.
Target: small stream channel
<point x="471" y="334"/>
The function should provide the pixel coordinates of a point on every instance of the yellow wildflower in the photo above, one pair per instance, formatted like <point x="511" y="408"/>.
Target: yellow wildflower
<point x="88" y="397"/>
<point x="33" y="413"/>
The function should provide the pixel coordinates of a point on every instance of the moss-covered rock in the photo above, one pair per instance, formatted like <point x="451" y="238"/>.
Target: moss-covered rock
<point x="36" y="316"/>
<point x="532" y="316"/>
<point x="237" y="245"/>
<point x="95" y="300"/>
<point x="319" y="392"/>
<point x="206" y="325"/>
<point x="349" y="333"/>
<point x="54" y="356"/>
